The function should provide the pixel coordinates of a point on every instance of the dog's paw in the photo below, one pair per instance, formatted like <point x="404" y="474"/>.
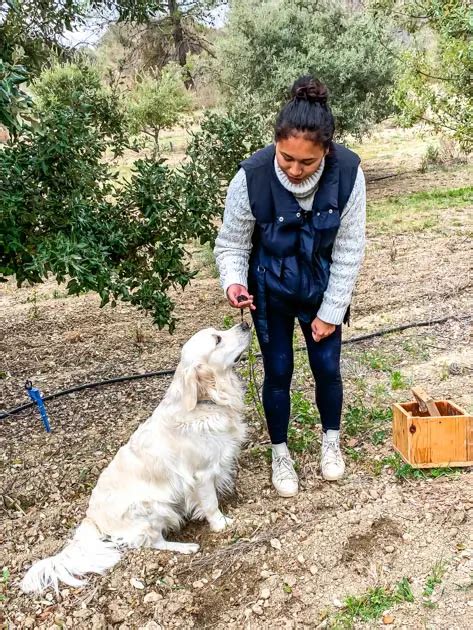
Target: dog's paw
<point x="189" y="548"/>
<point x="220" y="522"/>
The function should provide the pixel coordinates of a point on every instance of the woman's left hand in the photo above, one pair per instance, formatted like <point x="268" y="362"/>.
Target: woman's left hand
<point x="321" y="329"/>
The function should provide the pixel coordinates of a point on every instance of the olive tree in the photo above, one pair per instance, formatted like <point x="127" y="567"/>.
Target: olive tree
<point x="270" y="43"/>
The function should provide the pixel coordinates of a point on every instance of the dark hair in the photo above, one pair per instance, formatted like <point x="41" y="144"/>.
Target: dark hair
<point x="307" y="112"/>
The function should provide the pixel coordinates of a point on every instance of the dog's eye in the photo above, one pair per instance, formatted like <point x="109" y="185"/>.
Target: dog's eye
<point x="218" y="339"/>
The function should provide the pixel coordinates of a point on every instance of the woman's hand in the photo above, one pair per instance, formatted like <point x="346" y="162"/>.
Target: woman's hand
<point x="321" y="329"/>
<point x="233" y="291"/>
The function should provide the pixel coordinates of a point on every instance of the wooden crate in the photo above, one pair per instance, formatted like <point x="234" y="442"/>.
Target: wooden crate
<point x="425" y="441"/>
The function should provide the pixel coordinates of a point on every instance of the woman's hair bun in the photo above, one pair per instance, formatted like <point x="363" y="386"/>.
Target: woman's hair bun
<point x="309" y="89"/>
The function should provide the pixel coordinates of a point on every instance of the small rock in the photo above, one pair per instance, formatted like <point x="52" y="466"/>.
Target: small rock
<point x="29" y="622"/>
<point x="337" y="603"/>
<point x="275" y="544"/>
<point x="388" y="619"/>
<point x="216" y="574"/>
<point x="301" y="559"/>
<point x="313" y="569"/>
<point x="265" y="593"/>
<point x="198" y="584"/>
<point x="257" y="609"/>
<point x="152" y="597"/>
<point x="389" y="549"/>
<point x="265" y="574"/>
<point x="470" y="603"/>
<point x="137" y="583"/>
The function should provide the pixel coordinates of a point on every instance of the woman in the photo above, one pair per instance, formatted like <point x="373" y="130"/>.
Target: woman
<point x="291" y="244"/>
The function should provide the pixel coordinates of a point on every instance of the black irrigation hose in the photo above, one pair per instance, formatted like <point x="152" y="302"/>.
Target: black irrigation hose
<point x="135" y="377"/>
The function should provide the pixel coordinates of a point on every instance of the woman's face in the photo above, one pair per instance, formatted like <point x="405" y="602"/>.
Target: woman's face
<point x="298" y="157"/>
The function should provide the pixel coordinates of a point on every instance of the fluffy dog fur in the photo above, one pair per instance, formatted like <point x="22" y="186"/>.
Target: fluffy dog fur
<point x="172" y="467"/>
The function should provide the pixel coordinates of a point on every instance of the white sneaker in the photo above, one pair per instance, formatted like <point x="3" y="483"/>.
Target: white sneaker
<point x="332" y="463"/>
<point x="284" y="476"/>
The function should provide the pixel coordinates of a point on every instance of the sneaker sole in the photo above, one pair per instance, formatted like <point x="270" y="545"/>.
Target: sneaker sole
<point x="329" y="478"/>
<point x="287" y="495"/>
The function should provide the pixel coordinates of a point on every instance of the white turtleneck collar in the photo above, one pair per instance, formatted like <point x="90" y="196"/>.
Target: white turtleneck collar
<point x="304" y="189"/>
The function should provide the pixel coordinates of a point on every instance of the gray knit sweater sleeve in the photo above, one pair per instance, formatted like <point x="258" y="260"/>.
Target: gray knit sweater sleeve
<point x="347" y="255"/>
<point x="233" y="245"/>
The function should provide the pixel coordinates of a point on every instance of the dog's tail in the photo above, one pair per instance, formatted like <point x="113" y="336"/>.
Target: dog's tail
<point x="85" y="553"/>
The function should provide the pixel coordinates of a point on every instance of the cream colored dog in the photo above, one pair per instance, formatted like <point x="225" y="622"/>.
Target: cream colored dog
<point x="172" y="467"/>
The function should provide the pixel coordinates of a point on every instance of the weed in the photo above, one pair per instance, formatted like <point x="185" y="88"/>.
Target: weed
<point x="354" y="454"/>
<point x="397" y="380"/>
<point x="34" y="310"/>
<point x="403" y="471"/>
<point x="379" y="437"/>
<point x="372" y="604"/>
<point x="303" y="410"/>
<point x="377" y="361"/>
<point x="434" y="578"/>
<point x="359" y="419"/>
<point x="4" y="580"/>
<point x="228" y="322"/>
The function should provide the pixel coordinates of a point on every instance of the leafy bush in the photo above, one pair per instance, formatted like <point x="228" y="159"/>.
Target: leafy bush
<point x="64" y="213"/>
<point x="14" y="102"/>
<point x="269" y="44"/>
<point x="158" y="103"/>
<point x="434" y="80"/>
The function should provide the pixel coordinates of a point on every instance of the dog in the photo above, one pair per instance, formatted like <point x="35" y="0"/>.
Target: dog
<point x="172" y="468"/>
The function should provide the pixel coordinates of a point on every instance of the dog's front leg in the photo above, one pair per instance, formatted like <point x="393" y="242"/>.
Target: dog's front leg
<point x="206" y="499"/>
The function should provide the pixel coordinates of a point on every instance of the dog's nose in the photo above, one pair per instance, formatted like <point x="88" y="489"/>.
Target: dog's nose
<point x="245" y="326"/>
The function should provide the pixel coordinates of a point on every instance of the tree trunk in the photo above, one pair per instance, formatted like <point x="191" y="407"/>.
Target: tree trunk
<point x="180" y="42"/>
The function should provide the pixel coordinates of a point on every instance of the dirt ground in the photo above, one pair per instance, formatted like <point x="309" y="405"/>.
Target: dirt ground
<point x="285" y="563"/>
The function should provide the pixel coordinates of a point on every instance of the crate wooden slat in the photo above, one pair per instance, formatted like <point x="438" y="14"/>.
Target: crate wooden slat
<point x="426" y="441"/>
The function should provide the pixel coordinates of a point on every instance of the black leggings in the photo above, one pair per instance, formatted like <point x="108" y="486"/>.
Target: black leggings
<point x="278" y="361"/>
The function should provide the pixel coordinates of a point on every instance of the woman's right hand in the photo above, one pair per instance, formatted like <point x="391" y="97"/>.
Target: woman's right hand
<point x="235" y="290"/>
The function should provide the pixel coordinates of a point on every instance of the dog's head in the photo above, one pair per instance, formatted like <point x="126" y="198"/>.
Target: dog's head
<point x="207" y="360"/>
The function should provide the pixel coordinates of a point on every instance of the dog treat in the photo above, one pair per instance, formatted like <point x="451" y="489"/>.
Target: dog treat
<point x="241" y="298"/>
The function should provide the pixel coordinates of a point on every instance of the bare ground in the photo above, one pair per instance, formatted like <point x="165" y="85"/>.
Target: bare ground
<point x="284" y="563"/>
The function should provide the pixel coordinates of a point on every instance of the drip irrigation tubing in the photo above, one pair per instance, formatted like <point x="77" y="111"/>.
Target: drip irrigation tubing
<point x="170" y="372"/>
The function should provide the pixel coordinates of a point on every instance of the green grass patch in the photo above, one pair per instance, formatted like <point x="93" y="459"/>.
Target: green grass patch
<point x="305" y="417"/>
<point x="4" y="581"/>
<point x="371" y="604"/>
<point x="403" y="471"/>
<point x="359" y="419"/>
<point x="416" y="210"/>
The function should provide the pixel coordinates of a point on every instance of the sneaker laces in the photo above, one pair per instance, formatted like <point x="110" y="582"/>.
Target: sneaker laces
<point x="331" y="452"/>
<point x="283" y="468"/>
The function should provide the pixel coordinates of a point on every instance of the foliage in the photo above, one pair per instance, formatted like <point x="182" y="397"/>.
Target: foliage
<point x="434" y="84"/>
<point x="359" y="419"/>
<point x="37" y="27"/>
<point x="63" y="212"/>
<point x="14" y="102"/>
<point x="270" y="43"/>
<point x="158" y="102"/>
<point x="372" y="604"/>
<point x="4" y="580"/>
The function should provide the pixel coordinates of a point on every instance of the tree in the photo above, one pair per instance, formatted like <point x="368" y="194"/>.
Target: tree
<point x="158" y="103"/>
<point x="64" y="214"/>
<point x="434" y="84"/>
<point x="270" y="43"/>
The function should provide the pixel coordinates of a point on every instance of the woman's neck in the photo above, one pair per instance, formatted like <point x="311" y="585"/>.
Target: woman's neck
<point x="306" y="187"/>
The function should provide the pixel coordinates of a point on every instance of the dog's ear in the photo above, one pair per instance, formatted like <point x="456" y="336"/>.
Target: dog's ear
<point x="197" y="384"/>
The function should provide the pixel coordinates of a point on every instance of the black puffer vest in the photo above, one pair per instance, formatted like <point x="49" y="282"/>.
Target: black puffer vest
<point x="292" y="248"/>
